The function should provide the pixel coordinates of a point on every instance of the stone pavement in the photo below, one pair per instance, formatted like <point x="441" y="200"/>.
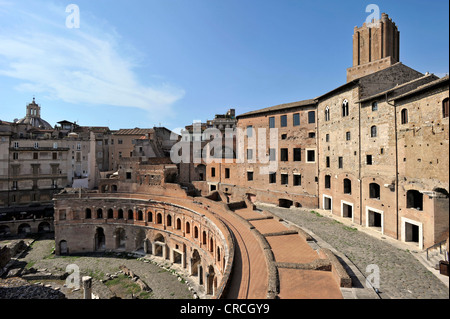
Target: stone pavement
<point x="402" y="275"/>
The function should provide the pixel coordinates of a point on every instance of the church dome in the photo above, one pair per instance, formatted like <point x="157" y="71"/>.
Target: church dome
<point x="33" y="117"/>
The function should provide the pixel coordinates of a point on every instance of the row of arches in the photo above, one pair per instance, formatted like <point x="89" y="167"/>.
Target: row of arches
<point x="204" y="236"/>
<point x="157" y="244"/>
<point x="24" y="229"/>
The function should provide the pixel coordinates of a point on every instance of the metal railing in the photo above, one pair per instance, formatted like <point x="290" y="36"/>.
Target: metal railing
<point x="440" y="249"/>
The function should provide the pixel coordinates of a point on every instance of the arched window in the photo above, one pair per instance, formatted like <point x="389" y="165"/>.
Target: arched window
<point x="204" y="238"/>
<point x="88" y="213"/>
<point x="140" y="215"/>
<point x="345" y="108"/>
<point x="347" y="186"/>
<point x="130" y="214"/>
<point x="120" y="214"/>
<point x="374" y="191"/>
<point x="178" y="224"/>
<point x="169" y="220"/>
<point x="327" y="114"/>
<point x="373" y="131"/>
<point x="99" y="213"/>
<point x="445" y="108"/>
<point x="110" y="213"/>
<point x="188" y="228"/>
<point x="159" y="218"/>
<point x="195" y="232"/>
<point x="404" y="116"/>
<point x="149" y="216"/>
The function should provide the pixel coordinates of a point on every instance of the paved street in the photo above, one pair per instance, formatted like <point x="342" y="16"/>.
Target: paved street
<point x="402" y="276"/>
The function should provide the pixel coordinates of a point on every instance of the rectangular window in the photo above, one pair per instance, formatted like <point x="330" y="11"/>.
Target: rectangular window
<point x="249" y="131"/>
<point x="312" y="134"/>
<point x="327" y="181"/>
<point x="272" y="154"/>
<point x="213" y="172"/>
<point x="227" y="173"/>
<point x="119" y="141"/>
<point x="284" y="155"/>
<point x="15" y="156"/>
<point x="297" y="154"/>
<point x="54" y="156"/>
<point x="327" y="138"/>
<point x="271" y="122"/>
<point x="328" y="161"/>
<point x="341" y="162"/>
<point x="35" y="156"/>
<point x="272" y="178"/>
<point x="128" y="175"/>
<point x="16" y="144"/>
<point x="296" y="119"/>
<point x="249" y="154"/>
<point x="310" y="156"/>
<point x="312" y="117"/>
<point x="249" y="176"/>
<point x="55" y="145"/>
<point x="369" y="159"/>
<point x="347" y="136"/>
<point x="283" y="120"/>
<point x="284" y="179"/>
<point x="297" y="180"/>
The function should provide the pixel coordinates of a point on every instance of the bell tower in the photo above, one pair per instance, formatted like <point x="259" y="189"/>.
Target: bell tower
<point x="376" y="46"/>
<point x="33" y="109"/>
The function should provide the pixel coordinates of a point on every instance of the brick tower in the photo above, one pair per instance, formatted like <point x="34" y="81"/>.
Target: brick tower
<point x="376" y="46"/>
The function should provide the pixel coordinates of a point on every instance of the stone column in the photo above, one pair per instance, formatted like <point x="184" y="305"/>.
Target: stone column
<point x="87" y="287"/>
<point x="153" y="248"/>
<point x="164" y="251"/>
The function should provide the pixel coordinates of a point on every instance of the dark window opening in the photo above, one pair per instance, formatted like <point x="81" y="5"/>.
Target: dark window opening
<point x="347" y="186"/>
<point x="374" y="191"/>
<point x="414" y="199"/>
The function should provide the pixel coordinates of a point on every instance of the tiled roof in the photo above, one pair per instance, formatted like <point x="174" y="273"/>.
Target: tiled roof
<point x="134" y="131"/>
<point x="279" y="107"/>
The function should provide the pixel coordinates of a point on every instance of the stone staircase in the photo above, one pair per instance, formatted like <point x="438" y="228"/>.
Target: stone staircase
<point x="435" y="255"/>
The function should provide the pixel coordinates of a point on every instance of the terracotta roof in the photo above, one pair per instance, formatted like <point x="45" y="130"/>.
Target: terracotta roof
<point x="279" y="107"/>
<point x="134" y="131"/>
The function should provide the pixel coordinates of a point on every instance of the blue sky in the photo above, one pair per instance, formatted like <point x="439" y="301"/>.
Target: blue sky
<point x="170" y="62"/>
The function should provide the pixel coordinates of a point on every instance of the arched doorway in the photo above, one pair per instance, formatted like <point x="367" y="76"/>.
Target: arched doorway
<point x="44" y="227"/>
<point x="63" y="249"/>
<point x="100" y="239"/>
<point x="4" y="231"/>
<point x="119" y="235"/>
<point x="160" y="245"/>
<point x="195" y="262"/>
<point x="24" y="229"/>
<point x="210" y="284"/>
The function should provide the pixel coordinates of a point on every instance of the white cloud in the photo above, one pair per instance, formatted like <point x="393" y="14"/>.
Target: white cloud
<point x="86" y="65"/>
